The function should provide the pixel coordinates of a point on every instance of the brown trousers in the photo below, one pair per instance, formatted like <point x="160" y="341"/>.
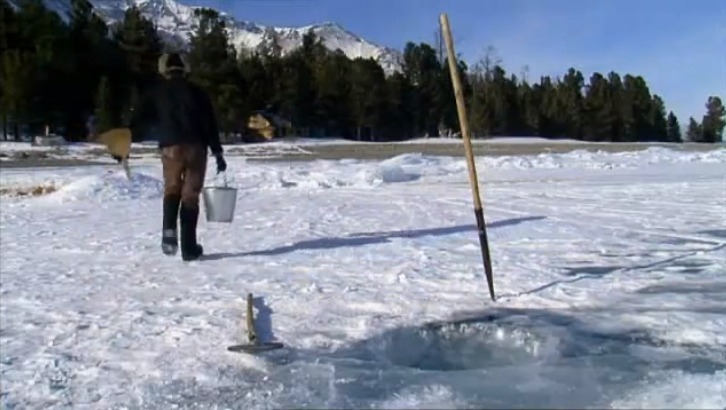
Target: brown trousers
<point x="184" y="168"/>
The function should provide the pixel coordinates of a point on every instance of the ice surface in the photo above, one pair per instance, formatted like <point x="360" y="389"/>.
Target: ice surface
<point x="609" y="270"/>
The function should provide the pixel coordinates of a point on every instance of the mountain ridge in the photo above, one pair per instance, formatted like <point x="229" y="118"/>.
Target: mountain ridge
<point x="175" y="22"/>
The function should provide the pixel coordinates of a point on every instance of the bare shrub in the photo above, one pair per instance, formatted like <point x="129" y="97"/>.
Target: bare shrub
<point x="27" y="191"/>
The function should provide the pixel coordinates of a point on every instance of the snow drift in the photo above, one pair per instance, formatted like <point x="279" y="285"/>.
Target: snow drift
<point x="109" y="187"/>
<point x="348" y="173"/>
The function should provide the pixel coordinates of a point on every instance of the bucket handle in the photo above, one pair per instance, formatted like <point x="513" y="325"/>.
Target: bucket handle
<point x="225" y="184"/>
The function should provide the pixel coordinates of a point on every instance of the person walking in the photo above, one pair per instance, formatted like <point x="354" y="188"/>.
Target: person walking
<point x="182" y="118"/>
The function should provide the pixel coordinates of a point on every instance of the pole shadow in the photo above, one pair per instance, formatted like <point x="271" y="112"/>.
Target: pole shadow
<point x="368" y="238"/>
<point x="596" y="272"/>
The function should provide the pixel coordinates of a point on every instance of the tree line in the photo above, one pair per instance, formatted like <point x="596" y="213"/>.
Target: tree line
<point x="59" y="74"/>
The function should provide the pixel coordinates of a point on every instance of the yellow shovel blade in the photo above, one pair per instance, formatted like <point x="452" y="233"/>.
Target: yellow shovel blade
<point x="118" y="141"/>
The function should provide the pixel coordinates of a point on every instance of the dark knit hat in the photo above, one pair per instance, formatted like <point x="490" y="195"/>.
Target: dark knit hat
<point x="171" y="62"/>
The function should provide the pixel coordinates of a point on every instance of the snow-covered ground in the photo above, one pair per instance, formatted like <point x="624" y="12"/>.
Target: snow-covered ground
<point x="609" y="270"/>
<point x="287" y="145"/>
<point x="11" y="149"/>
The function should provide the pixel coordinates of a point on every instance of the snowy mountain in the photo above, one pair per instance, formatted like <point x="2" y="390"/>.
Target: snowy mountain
<point x="176" y="22"/>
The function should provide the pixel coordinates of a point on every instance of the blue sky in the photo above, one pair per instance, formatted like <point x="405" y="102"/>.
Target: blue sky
<point x="678" y="46"/>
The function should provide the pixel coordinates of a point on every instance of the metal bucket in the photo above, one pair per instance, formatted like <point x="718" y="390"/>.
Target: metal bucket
<point x="219" y="202"/>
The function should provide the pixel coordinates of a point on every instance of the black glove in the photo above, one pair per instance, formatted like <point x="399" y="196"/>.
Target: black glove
<point x="221" y="163"/>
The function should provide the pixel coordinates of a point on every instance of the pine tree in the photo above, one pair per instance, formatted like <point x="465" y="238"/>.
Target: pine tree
<point x="530" y="109"/>
<point x="449" y="113"/>
<point x="214" y="67"/>
<point x="400" y="113"/>
<point x="58" y="74"/>
<point x="334" y="76"/>
<point x="598" y="108"/>
<point x="368" y="95"/>
<point x="673" y="128"/>
<point x="549" y="109"/>
<point x="642" y="102"/>
<point x="695" y="131"/>
<point x="714" y="121"/>
<point x="10" y="37"/>
<point x="505" y="103"/>
<point x="423" y="71"/>
<point x="297" y="92"/>
<point x="483" y="101"/>
<point x="259" y="80"/>
<point x="131" y="102"/>
<point x="479" y="107"/>
<point x="209" y="49"/>
<point x="572" y="103"/>
<point x="105" y="115"/>
<point x="42" y="37"/>
<point x="141" y="47"/>
<point x="16" y="76"/>
<point x="621" y="109"/>
<point x="658" y="119"/>
<point x="89" y="59"/>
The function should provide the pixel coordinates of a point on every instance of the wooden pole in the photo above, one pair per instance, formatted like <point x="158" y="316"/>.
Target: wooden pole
<point x="466" y="136"/>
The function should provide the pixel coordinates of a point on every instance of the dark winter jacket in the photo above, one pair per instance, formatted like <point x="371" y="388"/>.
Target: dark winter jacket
<point x="173" y="112"/>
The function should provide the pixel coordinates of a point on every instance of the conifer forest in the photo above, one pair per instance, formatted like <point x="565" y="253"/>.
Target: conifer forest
<point x="58" y="73"/>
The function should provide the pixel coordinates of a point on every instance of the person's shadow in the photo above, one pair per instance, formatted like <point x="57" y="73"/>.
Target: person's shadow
<point x="368" y="238"/>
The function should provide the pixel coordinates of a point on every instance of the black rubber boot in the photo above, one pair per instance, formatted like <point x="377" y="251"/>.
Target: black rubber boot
<point x="169" y="236"/>
<point x="188" y="217"/>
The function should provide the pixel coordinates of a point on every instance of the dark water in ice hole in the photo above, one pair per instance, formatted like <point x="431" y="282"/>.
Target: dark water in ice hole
<point x="513" y="359"/>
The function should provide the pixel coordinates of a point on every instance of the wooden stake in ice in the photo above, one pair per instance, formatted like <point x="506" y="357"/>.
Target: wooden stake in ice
<point x="466" y="136"/>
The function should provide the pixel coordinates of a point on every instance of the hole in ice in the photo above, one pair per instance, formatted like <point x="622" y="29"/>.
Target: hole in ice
<point x="457" y="346"/>
<point x="504" y="359"/>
